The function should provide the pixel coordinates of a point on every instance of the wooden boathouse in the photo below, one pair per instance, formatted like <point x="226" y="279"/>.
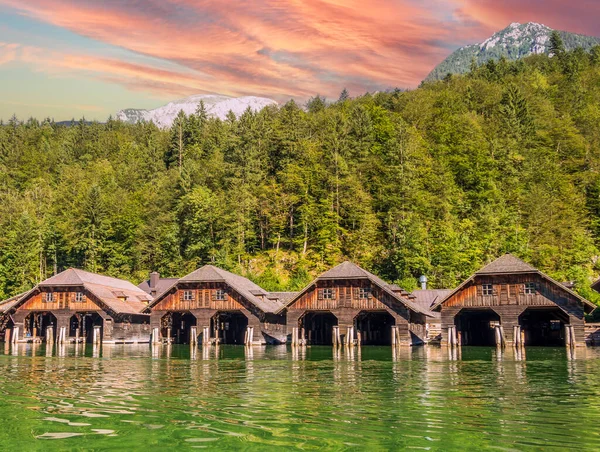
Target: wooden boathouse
<point x="78" y="306"/>
<point x="212" y="305"/>
<point x="349" y="305"/>
<point x="509" y="301"/>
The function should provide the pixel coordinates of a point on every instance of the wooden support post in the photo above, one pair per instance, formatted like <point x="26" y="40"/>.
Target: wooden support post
<point x="573" y="340"/>
<point x="169" y="335"/>
<point x="97" y="338"/>
<point x="294" y="336"/>
<point x="206" y="336"/>
<point x="7" y="335"/>
<point x="62" y="335"/>
<point x="50" y="335"/>
<point x="155" y="336"/>
<point x="335" y="333"/>
<point x="567" y="336"/>
<point x="502" y="341"/>
<point x="350" y="336"/>
<point x="302" y="337"/>
<point x="394" y="335"/>
<point x="15" y="336"/>
<point x="358" y="338"/>
<point x="497" y="335"/>
<point x="249" y="335"/>
<point x="193" y="335"/>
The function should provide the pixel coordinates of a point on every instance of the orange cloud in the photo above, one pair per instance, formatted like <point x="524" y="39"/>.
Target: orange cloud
<point x="277" y="48"/>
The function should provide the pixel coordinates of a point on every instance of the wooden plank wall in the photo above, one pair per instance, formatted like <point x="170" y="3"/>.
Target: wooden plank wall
<point x="347" y="296"/>
<point x="204" y="298"/>
<point x="509" y="290"/>
<point x="63" y="301"/>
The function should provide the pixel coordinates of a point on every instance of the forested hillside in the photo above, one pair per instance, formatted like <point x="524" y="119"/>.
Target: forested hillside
<point x="433" y="181"/>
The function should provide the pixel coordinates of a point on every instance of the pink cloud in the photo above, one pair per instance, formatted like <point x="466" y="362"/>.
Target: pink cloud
<point x="577" y="16"/>
<point x="8" y="52"/>
<point x="283" y="48"/>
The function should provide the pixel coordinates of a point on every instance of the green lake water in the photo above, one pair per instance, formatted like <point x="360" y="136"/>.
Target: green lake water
<point x="270" y="398"/>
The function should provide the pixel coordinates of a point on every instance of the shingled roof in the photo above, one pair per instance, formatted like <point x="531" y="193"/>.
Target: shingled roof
<point x="506" y="264"/>
<point x="427" y="298"/>
<point x="246" y="288"/>
<point x="162" y="286"/>
<point x="510" y="264"/>
<point x="349" y="270"/>
<point x="6" y="305"/>
<point x="119" y="296"/>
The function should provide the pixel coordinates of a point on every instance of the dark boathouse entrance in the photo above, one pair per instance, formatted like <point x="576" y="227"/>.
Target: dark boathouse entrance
<point x="544" y="326"/>
<point x="230" y="327"/>
<point x="36" y="324"/>
<point x="375" y="327"/>
<point x="81" y="325"/>
<point x="318" y="327"/>
<point x="477" y="326"/>
<point x="178" y="326"/>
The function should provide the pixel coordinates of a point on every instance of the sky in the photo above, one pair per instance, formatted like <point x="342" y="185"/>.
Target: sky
<point x="68" y="59"/>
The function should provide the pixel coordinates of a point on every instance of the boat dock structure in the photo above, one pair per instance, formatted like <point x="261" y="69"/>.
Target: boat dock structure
<point x="507" y="302"/>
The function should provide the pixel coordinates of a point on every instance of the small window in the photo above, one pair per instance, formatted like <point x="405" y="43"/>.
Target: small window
<point x="79" y="297"/>
<point x="188" y="295"/>
<point x="529" y="288"/>
<point x="328" y="294"/>
<point x="220" y="294"/>
<point x="364" y="293"/>
<point x="488" y="289"/>
<point x="49" y="297"/>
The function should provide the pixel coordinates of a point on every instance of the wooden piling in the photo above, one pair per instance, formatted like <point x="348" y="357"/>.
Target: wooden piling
<point x="567" y="336"/>
<point x="62" y="333"/>
<point x="169" y="335"/>
<point x="7" y="336"/>
<point x="498" y="336"/>
<point x="573" y="340"/>
<point x="15" y="336"/>
<point x="394" y="328"/>
<point x="50" y="335"/>
<point x="96" y="336"/>
<point x="193" y="335"/>
<point x="502" y="342"/>
<point x="358" y="338"/>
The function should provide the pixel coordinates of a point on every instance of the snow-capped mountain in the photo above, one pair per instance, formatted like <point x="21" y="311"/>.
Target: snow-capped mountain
<point x="216" y="106"/>
<point x="514" y="42"/>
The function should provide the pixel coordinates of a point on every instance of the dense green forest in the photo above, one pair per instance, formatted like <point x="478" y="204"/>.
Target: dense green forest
<point x="435" y="181"/>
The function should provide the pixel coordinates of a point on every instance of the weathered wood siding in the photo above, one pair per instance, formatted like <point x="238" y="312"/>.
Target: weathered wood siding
<point x="347" y="295"/>
<point x="63" y="301"/>
<point x="204" y="297"/>
<point x="509" y="290"/>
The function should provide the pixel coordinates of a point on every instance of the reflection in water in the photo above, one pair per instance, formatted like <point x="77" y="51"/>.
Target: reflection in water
<point x="310" y="397"/>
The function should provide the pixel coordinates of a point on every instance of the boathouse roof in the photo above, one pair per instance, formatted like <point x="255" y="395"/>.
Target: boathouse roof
<point x="6" y="305"/>
<point x="509" y="264"/>
<point x="246" y="288"/>
<point x="427" y="298"/>
<point x="118" y="295"/>
<point x="349" y="270"/>
<point x="162" y="285"/>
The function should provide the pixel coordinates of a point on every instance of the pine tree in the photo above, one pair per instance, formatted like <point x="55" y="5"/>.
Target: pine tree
<point x="557" y="46"/>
